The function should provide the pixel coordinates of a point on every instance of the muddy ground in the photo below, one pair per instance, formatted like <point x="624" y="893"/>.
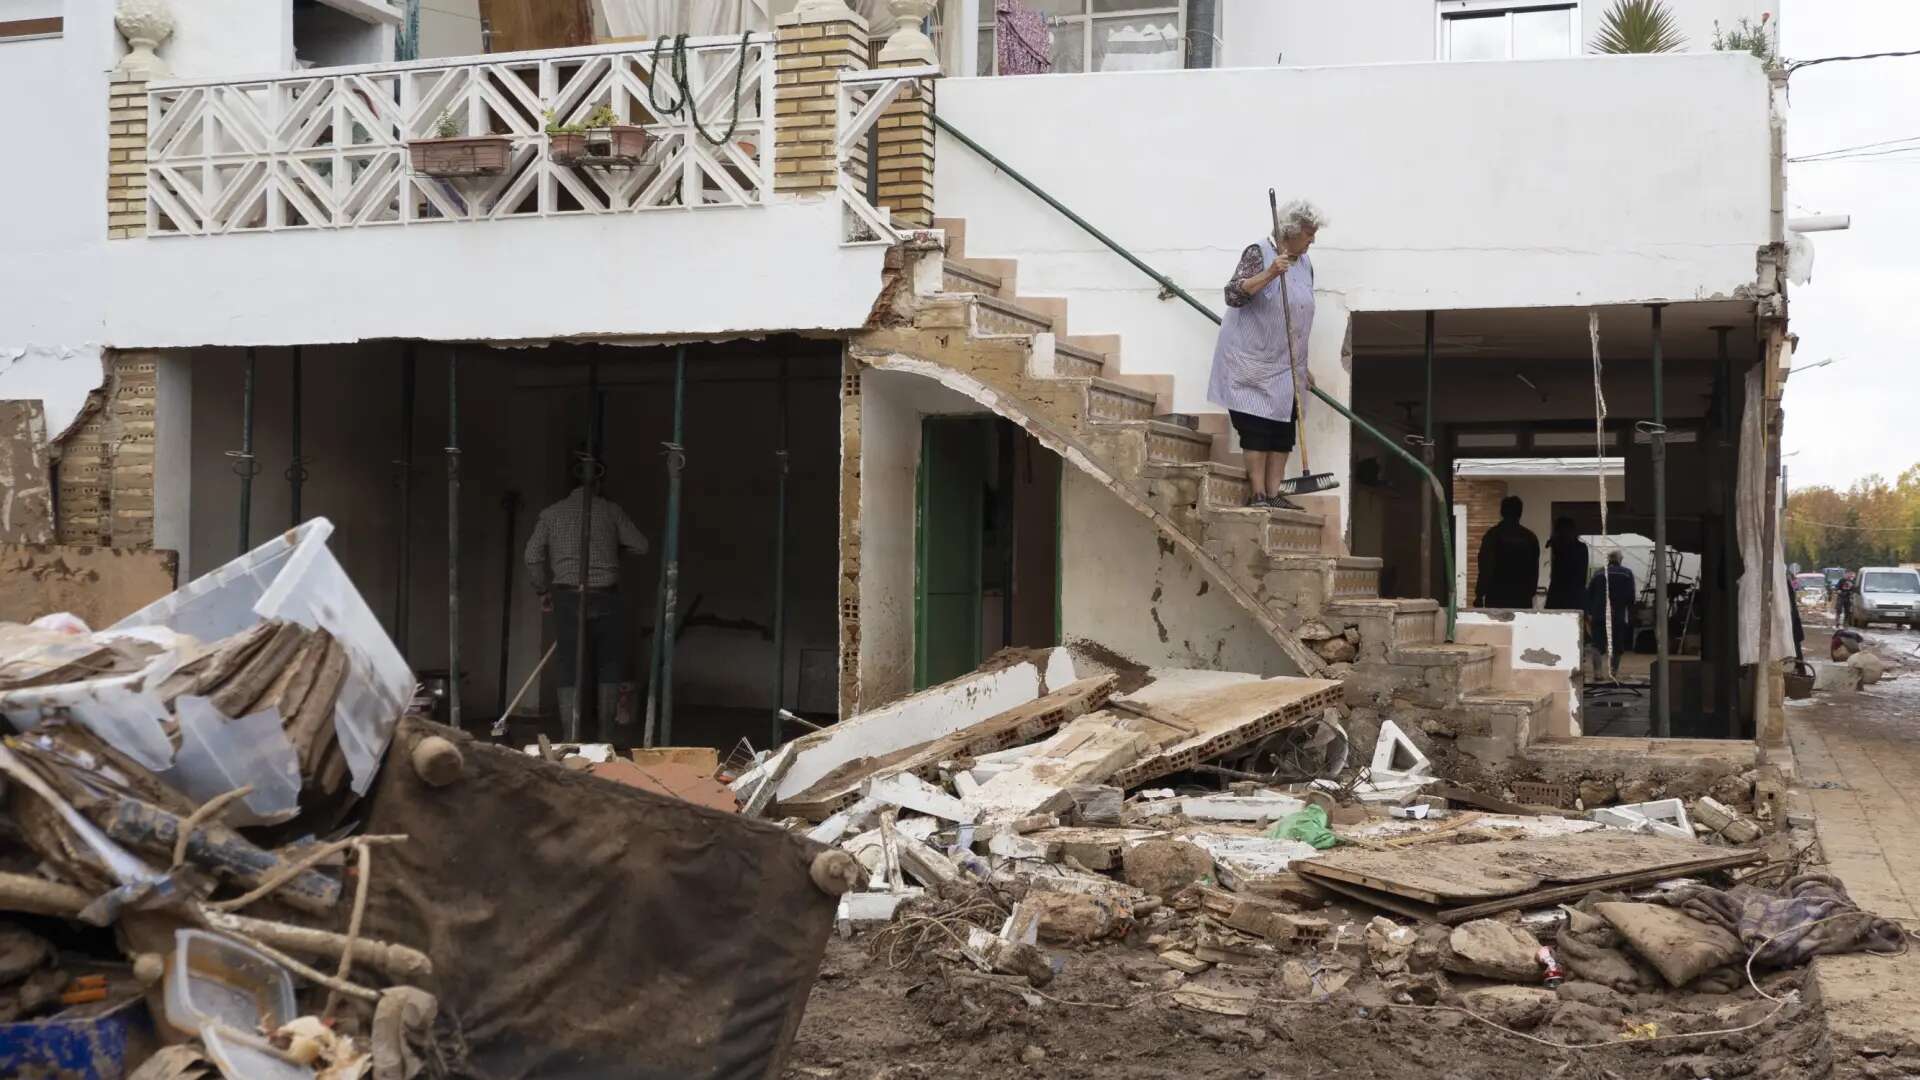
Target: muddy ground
<point x="932" y="1019"/>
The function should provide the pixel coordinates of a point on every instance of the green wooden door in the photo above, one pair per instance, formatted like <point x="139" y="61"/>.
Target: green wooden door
<point x="954" y="457"/>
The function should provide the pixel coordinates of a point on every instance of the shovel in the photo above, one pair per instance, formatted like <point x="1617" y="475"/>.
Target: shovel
<point x="1308" y="482"/>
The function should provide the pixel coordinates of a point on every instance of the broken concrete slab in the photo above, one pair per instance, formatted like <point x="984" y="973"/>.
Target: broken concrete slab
<point x="1265" y="807"/>
<point x="1164" y="867"/>
<point x="1494" y="950"/>
<point x="1661" y="817"/>
<point x="909" y="792"/>
<point x="1014" y="729"/>
<point x="1725" y="821"/>
<point x="1010" y="680"/>
<point x="1184" y="962"/>
<point x="1242" y="861"/>
<point x="1094" y="847"/>
<point x="1193" y="720"/>
<point x="1395" y="754"/>
<point x="1087" y="751"/>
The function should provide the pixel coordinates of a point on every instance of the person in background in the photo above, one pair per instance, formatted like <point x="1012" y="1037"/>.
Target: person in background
<point x="1612" y="587"/>
<point x="553" y="566"/>
<point x="1843" y="593"/>
<point x="1253" y="376"/>
<point x="1567" y="567"/>
<point x="1509" y="561"/>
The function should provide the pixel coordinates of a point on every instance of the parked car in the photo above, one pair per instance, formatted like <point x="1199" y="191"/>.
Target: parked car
<point x="1810" y="589"/>
<point x="1888" y="594"/>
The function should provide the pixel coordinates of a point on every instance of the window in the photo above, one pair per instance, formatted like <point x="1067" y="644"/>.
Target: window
<point x="26" y="20"/>
<point x="1103" y="35"/>
<point x="1504" y="30"/>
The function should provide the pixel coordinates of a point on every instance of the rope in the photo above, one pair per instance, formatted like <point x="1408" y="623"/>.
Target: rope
<point x="1600" y="451"/>
<point x="677" y="72"/>
<point x="365" y="868"/>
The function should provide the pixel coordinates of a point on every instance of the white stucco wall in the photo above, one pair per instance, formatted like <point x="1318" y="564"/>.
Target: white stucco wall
<point x="1448" y="185"/>
<point x="1313" y="33"/>
<point x="1125" y="587"/>
<point x="66" y="290"/>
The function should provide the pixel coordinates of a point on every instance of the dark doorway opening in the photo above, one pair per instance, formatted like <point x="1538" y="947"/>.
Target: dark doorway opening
<point x="986" y="544"/>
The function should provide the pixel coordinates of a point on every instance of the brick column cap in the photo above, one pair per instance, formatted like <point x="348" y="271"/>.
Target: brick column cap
<point x="806" y="15"/>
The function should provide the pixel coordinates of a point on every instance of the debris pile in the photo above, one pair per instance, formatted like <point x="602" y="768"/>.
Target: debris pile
<point x="172" y="859"/>
<point x="1010" y="821"/>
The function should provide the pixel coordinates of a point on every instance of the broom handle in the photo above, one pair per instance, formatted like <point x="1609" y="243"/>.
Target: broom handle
<point x="1293" y="365"/>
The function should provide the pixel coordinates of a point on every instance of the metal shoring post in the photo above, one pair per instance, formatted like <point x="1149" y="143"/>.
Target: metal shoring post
<point x="1426" y="455"/>
<point x="244" y="464"/>
<point x="453" y="537"/>
<point x="670" y="546"/>
<point x="1657" y="437"/>
<point x="1728" y="614"/>
<point x="589" y="487"/>
<point x="297" y="467"/>
<point x="781" y="462"/>
<point x="510" y="502"/>
<point x="403" y="577"/>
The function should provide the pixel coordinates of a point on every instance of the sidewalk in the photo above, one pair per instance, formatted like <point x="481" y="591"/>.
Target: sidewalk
<point x="1857" y="757"/>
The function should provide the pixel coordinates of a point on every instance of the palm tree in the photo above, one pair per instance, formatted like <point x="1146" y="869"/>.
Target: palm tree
<point x="1638" y="26"/>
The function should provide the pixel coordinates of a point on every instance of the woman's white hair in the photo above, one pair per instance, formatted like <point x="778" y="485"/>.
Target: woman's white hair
<point x="1299" y="216"/>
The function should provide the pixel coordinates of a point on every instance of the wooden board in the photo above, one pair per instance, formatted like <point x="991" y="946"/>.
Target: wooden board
<point x="26" y="499"/>
<point x="1015" y="727"/>
<point x="101" y="585"/>
<point x="1192" y="727"/>
<point x="1476" y="880"/>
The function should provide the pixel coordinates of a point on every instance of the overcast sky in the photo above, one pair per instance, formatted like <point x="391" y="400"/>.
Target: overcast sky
<point x="1860" y="415"/>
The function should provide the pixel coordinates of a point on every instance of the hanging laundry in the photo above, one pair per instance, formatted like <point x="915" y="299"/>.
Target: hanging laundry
<point x="1024" y="43"/>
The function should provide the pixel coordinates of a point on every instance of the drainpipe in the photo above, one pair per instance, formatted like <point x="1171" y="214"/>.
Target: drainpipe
<point x="1657" y="437"/>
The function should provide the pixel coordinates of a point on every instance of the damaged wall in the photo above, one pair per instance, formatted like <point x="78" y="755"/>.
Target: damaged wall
<point x="1126" y="587"/>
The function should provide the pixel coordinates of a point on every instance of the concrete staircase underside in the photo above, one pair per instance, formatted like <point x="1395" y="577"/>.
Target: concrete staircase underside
<point x="975" y="334"/>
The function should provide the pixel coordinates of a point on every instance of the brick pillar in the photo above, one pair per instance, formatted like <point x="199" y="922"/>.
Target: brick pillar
<point x="813" y="45"/>
<point x="906" y="154"/>
<point x="126" y="157"/>
<point x="133" y="395"/>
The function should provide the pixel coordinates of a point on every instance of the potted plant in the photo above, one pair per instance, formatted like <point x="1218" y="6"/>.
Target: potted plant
<point x="451" y="154"/>
<point x="599" y="139"/>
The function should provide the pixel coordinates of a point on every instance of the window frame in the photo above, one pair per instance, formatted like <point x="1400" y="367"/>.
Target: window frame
<point x="1448" y="10"/>
<point x="1086" y="21"/>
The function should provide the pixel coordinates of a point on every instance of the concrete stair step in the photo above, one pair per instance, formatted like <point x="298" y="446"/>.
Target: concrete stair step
<point x="1077" y="361"/>
<point x="1386" y="625"/>
<point x="1167" y="444"/>
<point x="964" y="277"/>
<point x="993" y="315"/>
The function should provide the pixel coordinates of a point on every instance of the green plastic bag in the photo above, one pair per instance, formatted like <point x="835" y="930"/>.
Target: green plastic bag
<point x="1308" y="826"/>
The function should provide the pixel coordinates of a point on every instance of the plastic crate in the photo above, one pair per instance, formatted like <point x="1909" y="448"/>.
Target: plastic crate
<point x="294" y="576"/>
<point x="84" y="1048"/>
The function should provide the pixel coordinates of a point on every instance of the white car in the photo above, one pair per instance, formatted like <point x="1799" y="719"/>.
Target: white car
<point x="1888" y="594"/>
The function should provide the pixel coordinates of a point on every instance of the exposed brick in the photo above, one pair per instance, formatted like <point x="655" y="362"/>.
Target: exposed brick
<point x="794" y="63"/>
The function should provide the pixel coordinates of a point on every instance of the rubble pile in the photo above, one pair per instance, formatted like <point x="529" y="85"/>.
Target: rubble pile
<point x="173" y="868"/>
<point x="1002" y="835"/>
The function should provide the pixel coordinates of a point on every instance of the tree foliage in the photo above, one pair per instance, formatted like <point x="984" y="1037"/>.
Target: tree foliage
<point x="1872" y="523"/>
<point x="1638" y="26"/>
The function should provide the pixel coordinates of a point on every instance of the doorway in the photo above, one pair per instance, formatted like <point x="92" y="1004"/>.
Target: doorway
<point x="986" y="558"/>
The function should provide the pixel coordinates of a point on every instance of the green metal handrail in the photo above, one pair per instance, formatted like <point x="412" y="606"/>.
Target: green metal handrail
<point x="1167" y="283"/>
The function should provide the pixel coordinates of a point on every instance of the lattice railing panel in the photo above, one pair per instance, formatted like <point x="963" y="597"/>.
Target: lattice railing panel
<point x="327" y="148"/>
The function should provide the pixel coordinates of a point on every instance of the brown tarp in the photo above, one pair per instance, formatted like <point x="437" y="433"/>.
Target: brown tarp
<point x="582" y="928"/>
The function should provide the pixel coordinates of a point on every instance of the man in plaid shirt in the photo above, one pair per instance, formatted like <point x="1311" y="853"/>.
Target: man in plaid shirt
<point x="553" y="565"/>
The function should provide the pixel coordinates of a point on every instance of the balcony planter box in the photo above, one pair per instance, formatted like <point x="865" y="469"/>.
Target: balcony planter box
<point x="620" y="144"/>
<point x="466" y="155"/>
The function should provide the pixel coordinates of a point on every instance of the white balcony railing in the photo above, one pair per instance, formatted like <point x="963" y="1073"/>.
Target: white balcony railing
<point x="328" y="148"/>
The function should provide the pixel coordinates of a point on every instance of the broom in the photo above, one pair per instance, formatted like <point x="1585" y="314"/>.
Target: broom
<point x="1308" y="482"/>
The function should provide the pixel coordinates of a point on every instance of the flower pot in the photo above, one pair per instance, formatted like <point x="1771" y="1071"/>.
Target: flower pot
<point x="465" y="155"/>
<point x="619" y="144"/>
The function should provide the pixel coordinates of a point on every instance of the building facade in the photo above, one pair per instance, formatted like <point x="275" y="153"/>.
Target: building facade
<point x="919" y="413"/>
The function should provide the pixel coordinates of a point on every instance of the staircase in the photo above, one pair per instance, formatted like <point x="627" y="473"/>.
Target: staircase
<point x="962" y="322"/>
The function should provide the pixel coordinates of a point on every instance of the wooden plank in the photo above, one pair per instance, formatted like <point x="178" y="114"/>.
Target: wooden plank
<point x="1014" y="727"/>
<point x="1544" y="897"/>
<point x="26" y="499"/>
<point x="101" y="585"/>
<point x="1399" y="905"/>
<point x="525" y="25"/>
<point x="1475" y="873"/>
<point x="1499" y="806"/>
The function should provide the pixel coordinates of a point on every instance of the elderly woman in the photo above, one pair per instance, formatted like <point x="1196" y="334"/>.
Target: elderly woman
<point x="1253" y="368"/>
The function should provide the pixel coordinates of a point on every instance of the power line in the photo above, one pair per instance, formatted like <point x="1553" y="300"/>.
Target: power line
<point x="1798" y="64"/>
<point x="1863" y="146"/>
<point x="1853" y="528"/>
